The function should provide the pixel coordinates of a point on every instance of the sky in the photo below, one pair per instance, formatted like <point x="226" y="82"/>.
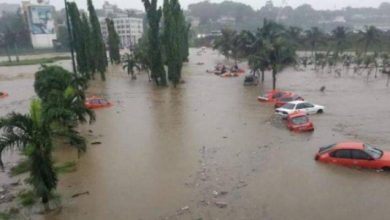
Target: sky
<point x="317" y="4"/>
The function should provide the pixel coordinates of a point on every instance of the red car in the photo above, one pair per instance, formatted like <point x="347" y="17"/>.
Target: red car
<point x="96" y="102"/>
<point x="354" y="154"/>
<point x="273" y="95"/>
<point x="299" y="122"/>
<point x="287" y="98"/>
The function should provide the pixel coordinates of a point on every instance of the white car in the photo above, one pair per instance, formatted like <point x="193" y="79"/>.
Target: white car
<point x="299" y="106"/>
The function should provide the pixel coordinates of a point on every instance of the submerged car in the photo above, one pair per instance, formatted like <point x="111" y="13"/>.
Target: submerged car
<point x="273" y="95"/>
<point x="354" y="154"/>
<point x="299" y="106"/>
<point x="299" y="122"/>
<point x="287" y="98"/>
<point x="96" y="102"/>
<point x="251" y="80"/>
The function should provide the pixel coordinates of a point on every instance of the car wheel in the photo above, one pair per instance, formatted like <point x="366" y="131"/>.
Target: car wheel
<point x="320" y="111"/>
<point x="387" y="169"/>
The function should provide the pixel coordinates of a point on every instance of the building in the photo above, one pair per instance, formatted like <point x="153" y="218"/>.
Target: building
<point x="39" y="17"/>
<point x="129" y="29"/>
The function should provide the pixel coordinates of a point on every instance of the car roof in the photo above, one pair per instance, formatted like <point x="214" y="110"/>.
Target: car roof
<point x="297" y="102"/>
<point x="349" y="145"/>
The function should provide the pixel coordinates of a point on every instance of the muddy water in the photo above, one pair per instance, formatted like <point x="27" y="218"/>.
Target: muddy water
<point x="165" y="151"/>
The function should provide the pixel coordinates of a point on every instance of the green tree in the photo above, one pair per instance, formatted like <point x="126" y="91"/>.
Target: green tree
<point x="370" y="35"/>
<point x="130" y="65"/>
<point x="314" y="37"/>
<point x="78" y="38"/>
<point x="175" y="35"/>
<point x="32" y="136"/>
<point x="154" y="15"/>
<point x="224" y="43"/>
<point x="113" y="42"/>
<point x="98" y="49"/>
<point x="339" y="35"/>
<point x="63" y="96"/>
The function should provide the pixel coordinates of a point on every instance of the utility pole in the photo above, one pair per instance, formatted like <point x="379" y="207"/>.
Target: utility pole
<point x="70" y="36"/>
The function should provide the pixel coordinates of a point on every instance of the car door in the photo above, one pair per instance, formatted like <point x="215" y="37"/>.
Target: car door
<point x="341" y="157"/>
<point x="310" y="108"/>
<point x="301" y="107"/>
<point x="362" y="159"/>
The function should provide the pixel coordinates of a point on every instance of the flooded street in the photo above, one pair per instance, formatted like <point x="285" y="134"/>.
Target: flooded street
<point x="209" y="150"/>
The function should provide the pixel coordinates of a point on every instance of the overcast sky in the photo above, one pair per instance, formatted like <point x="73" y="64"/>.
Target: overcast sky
<point x="317" y="4"/>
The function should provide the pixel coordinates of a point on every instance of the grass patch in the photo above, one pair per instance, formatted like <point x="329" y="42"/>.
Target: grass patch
<point x="27" y="198"/>
<point x="22" y="167"/>
<point x="34" y="61"/>
<point x="67" y="167"/>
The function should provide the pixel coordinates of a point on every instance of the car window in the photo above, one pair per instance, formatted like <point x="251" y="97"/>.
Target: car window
<point x="345" y="154"/>
<point x="360" y="155"/>
<point x="288" y="106"/>
<point x="300" y="120"/>
<point x="308" y="105"/>
<point x="301" y="106"/>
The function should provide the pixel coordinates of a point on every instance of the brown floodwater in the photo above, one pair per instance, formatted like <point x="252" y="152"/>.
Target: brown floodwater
<point x="165" y="153"/>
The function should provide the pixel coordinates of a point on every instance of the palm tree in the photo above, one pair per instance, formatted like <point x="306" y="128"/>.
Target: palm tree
<point x="130" y="64"/>
<point x="61" y="90"/>
<point x="30" y="134"/>
<point x="279" y="50"/>
<point x="314" y="36"/>
<point x="370" y="35"/>
<point x="295" y="34"/>
<point x="142" y="57"/>
<point x="224" y="43"/>
<point x="339" y="35"/>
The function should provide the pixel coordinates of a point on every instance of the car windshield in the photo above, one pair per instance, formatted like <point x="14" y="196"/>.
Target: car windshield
<point x="288" y="106"/>
<point x="373" y="151"/>
<point x="300" y="120"/>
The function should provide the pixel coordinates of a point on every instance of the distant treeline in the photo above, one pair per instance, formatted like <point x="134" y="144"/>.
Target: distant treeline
<point x="211" y="16"/>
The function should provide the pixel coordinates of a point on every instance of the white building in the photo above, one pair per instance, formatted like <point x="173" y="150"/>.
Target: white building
<point x="40" y="22"/>
<point x="129" y="29"/>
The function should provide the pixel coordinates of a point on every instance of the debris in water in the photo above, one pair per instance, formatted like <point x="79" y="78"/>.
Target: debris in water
<point x="80" y="194"/>
<point x="90" y="131"/>
<point x="224" y="137"/>
<point x="221" y="204"/>
<point x="96" y="143"/>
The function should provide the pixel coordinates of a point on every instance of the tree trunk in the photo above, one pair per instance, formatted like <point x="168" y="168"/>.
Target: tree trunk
<point x="8" y="55"/>
<point x="45" y="202"/>
<point x="16" y="52"/>
<point x="274" y="78"/>
<point x="262" y="76"/>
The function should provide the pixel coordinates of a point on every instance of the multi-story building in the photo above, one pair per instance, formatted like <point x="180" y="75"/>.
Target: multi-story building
<point x="41" y="23"/>
<point x="129" y="29"/>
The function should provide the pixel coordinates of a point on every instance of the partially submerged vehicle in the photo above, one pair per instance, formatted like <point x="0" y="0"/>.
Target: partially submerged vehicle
<point x="96" y="102"/>
<point x="3" y="94"/>
<point x="287" y="98"/>
<point x="299" y="122"/>
<point x="299" y="106"/>
<point x="273" y="95"/>
<point x="354" y="154"/>
<point x="230" y="74"/>
<point x="251" y="80"/>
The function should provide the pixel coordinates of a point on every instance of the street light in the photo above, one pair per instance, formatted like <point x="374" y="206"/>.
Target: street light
<point x="70" y="36"/>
